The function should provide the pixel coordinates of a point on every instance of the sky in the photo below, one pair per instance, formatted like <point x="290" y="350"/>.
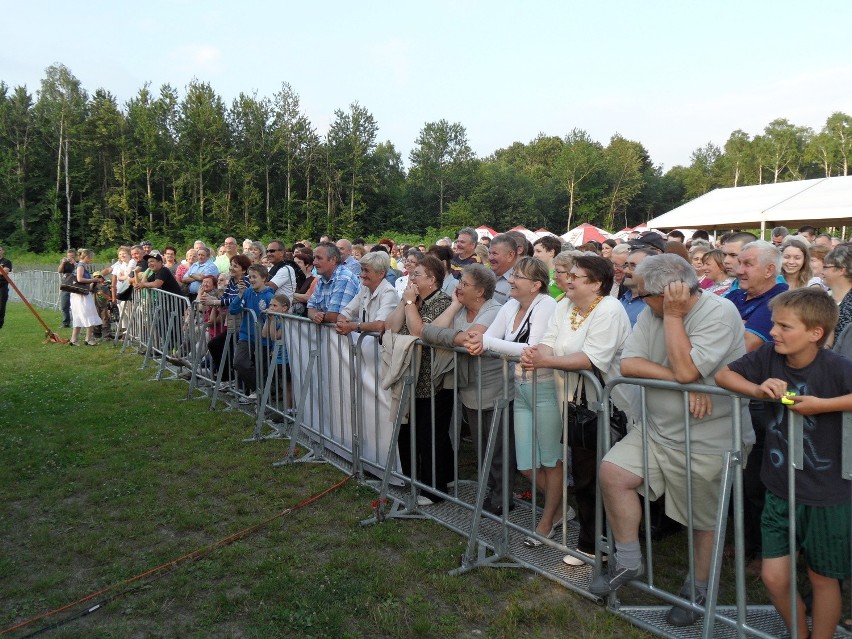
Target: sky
<point x="673" y="75"/>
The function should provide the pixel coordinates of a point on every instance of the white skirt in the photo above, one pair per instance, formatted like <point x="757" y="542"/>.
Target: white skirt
<point x="84" y="313"/>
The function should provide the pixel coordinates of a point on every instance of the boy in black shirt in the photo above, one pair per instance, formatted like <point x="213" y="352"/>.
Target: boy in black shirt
<point x="822" y="382"/>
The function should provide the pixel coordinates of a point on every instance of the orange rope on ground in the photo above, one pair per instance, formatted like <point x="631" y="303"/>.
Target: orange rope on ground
<point x="195" y="554"/>
<point x="50" y="336"/>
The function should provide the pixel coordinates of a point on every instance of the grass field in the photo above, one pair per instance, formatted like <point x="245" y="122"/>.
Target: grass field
<point x="107" y="474"/>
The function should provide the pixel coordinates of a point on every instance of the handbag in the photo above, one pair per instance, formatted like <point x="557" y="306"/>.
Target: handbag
<point x="582" y="422"/>
<point x="69" y="284"/>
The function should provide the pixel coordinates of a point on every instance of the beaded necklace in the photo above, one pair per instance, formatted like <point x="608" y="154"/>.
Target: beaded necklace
<point x="575" y="312"/>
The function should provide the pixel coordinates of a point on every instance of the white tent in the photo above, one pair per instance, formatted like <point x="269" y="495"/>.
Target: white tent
<point x="820" y="202"/>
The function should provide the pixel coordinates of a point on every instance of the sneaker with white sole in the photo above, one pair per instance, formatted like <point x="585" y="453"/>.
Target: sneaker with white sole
<point x="251" y="398"/>
<point x="571" y="560"/>
<point x="615" y="578"/>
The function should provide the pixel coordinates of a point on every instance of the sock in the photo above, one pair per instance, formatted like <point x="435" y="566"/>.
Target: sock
<point x="700" y="587"/>
<point x="629" y="555"/>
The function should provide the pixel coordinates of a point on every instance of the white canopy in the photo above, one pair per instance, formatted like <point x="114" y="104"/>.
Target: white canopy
<point x="820" y="202"/>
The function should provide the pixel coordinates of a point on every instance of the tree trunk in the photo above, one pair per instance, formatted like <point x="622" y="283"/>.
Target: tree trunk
<point x="67" y="198"/>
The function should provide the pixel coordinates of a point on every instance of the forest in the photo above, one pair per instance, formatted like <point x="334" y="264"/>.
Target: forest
<point x="80" y="169"/>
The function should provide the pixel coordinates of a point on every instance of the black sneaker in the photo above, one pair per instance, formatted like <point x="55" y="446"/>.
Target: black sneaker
<point x="679" y="616"/>
<point x="608" y="582"/>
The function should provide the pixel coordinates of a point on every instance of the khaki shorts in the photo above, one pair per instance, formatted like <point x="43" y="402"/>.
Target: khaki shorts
<point x="667" y="475"/>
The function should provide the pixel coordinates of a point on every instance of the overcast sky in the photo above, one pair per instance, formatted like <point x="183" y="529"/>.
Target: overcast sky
<point x="671" y="75"/>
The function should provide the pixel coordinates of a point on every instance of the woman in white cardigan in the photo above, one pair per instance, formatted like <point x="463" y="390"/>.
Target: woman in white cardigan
<point x="522" y="321"/>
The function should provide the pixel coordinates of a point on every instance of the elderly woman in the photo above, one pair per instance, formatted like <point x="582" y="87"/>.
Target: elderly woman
<point x="837" y="274"/>
<point x="697" y="250"/>
<point x="374" y="302"/>
<point x="522" y="322"/>
<point x="412" y="259"/>
<point x="586" y="332"/>
<point x="562" y="264"/>
<point x="84" y="313"/>
<point x="480" y="382"/>
<point x="422" y="302"/>
<point x="795" y="263"/>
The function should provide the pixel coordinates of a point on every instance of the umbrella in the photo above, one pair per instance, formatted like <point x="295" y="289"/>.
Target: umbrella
<point x="532" y="237"/>
<point x="585" y="233"/>
<point x="485" y="231"/>
<point x="543" y="232"/>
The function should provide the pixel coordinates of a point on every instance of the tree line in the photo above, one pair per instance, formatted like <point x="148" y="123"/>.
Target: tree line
<point x="79" y="169"/>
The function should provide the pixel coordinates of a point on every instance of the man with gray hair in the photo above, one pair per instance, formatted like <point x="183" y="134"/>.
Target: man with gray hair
<point x="465" y="251"/>
<point x="779" y="234"/>
<point x="336" y="287"/>
<point x="367" y="311"/>
<point x="685" y="337"/>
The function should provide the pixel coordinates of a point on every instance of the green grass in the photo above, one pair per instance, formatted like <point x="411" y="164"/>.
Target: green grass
<point x="106" y="474"/>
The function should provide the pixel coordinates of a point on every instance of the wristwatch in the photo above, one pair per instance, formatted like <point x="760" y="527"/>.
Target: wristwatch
<point x="409" y="302"/>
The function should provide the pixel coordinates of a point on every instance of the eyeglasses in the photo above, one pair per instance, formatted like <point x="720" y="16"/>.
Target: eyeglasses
<point x="515" y="276"/>
<point x="560" y="272"/>
<point x="272" y="250"/>
<point x="573" y="276"/>
<point x="644" y="295"/>
<point x="832" y="266"/>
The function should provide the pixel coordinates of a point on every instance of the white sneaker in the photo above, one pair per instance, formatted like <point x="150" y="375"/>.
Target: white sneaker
<point x="422" y="500"/>
<point x="226" y="386"/>
<point x="571" y="560"/>
<point x="248" y="399"/>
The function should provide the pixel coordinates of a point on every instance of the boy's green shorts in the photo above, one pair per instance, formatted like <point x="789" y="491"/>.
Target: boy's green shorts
<point x="823" y="533"/>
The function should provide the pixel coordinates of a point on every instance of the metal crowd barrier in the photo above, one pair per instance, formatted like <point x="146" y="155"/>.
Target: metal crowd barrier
<point x="323" y="391"/>
<point x="741" y="618"/>
<point x="40" y="287"/>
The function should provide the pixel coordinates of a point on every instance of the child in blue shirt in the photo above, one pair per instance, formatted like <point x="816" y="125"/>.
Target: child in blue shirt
<point x="257" y="299"/>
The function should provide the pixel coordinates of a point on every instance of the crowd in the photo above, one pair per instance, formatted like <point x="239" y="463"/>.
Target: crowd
<point x="767" y="319"/>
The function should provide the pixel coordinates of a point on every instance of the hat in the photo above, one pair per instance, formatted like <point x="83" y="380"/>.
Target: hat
<point x="649" y="238"/>
<point x="155" y="254"/>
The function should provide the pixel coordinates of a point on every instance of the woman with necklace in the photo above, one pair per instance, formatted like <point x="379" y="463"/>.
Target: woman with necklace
<point x="422" y="302"/>
<point x="587" y="332"/>
<point x="522" y="322"/>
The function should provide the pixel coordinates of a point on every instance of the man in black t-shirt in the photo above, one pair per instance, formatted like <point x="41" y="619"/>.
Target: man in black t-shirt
<point x="162" y="276"/>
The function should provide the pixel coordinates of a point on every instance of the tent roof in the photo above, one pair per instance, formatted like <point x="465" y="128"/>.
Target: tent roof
<point x="822" y="202"/>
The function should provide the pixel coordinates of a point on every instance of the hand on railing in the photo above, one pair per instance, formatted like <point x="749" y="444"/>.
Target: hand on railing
<point x="700" y="405"/>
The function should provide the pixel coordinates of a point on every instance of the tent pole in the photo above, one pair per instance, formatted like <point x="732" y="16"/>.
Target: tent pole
<point x="762" y="229"/>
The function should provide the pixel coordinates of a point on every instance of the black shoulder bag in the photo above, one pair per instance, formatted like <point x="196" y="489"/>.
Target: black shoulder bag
<point x="582" y="422"/>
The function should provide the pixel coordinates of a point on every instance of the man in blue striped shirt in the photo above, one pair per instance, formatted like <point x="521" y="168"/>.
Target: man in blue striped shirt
<point x="336" y="287"/>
